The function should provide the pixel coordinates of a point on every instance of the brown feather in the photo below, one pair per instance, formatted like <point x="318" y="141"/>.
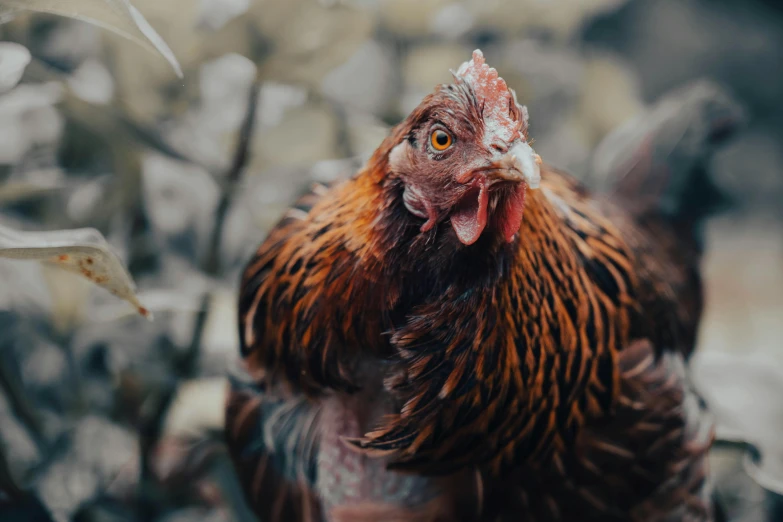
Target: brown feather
<point x="274" y="493"/>
<point x="552" y="364"/>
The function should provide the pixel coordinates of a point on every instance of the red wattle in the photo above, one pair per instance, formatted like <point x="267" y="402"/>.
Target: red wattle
<point x="509" y="215"/>
<point x="470" y="216"/>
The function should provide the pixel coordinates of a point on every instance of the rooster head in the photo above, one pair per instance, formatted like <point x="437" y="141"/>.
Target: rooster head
<point x="463" y="156"/>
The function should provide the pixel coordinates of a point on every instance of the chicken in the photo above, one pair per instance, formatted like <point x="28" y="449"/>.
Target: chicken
<point x="460" y="332"/>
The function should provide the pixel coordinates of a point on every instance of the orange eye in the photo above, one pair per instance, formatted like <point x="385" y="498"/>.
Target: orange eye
<point x="440" y="140"/>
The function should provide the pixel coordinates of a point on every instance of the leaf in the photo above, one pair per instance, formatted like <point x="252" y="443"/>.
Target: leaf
<point x="83" y="251"/>
<point x="36" y="183"/>
<point x="157" y="301"/>
<point x="13" y="61"/>
<point x="737" y="389"/>
<point x="197" y="408"/>
<point x="118" y="16"/>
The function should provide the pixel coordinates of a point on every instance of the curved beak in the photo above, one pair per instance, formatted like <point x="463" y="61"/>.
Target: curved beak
<point x="519" y="163"/>
<point x="516" y="165"/>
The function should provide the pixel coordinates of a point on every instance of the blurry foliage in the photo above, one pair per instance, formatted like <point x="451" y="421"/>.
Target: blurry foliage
<point x="82" y="251"/>
<point x="183" y="176"/>
<point x="119" y="16"/>
<point x="13" y="60"/>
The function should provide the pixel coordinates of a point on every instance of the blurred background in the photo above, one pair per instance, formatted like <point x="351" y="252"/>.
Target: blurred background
<point x="106" y="416"/>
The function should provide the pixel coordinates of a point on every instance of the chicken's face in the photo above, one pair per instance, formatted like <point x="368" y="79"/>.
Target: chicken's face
<point x="465" y="157"/>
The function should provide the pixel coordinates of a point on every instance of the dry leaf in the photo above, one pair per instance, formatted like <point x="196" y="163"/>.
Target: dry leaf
<point x="13" y="61"/>
<point x="118" y="16"/>
<point x="738" y="389"/>
<point x="198" y="407"/>
<point x="83" y="251"/>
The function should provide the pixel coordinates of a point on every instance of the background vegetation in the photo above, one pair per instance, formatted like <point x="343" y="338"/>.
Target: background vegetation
<point x="106" y="416"/>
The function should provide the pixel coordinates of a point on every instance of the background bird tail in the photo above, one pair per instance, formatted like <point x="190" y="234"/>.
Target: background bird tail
<point x="273" y="445"/>
<point x="659" y="161"/>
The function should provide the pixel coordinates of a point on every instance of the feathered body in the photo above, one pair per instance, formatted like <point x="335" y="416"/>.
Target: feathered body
<point x="433" y="345"/>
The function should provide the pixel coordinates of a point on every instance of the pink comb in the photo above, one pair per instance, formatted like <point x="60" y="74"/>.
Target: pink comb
<point x="493" y="93"/>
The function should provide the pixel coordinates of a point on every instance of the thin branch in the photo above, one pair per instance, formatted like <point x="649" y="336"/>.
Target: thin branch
<point x="211" y="264"/>
<point x="186" y="366"/>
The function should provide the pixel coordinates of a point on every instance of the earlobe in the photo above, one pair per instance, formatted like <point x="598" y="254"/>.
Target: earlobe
<point x="399" y="156"/>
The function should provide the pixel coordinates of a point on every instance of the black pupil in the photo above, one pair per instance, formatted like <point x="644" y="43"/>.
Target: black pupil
<point x="441" y="138"/>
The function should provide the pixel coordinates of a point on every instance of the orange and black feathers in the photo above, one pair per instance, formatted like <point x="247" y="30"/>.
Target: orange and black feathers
<point x="535" y="332"/>
<point x="412" y="355"/>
